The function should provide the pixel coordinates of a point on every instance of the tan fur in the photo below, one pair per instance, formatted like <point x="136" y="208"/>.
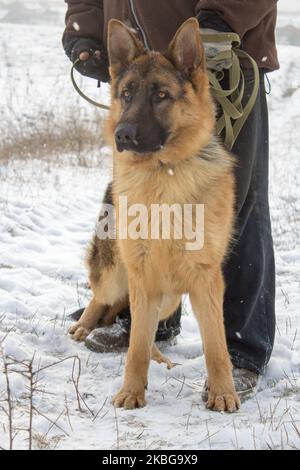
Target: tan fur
<point x="158" y="272"/>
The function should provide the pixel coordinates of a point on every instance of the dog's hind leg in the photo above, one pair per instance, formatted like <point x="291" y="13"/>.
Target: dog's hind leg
<point x="167" y="307"/>
<point x="113" y="311"/>
<point x="110" y="295"/>
<point x="108" y="280"/>
<point x="87" y="322"/>
<point x="157" y="356"/>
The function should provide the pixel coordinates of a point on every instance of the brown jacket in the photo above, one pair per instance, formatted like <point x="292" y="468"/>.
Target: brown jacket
<point x="157" y="21"/>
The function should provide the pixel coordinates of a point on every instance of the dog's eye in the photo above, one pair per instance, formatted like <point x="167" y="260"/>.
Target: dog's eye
<point x="126" y="95"/>
<point x="161" y="95"/>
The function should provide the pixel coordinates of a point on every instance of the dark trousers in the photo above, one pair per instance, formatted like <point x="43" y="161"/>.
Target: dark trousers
<point x="249" y="270"/>
<point x="249" y="311"/>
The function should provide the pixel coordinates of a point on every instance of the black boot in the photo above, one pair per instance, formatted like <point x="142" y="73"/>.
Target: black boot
<point x="115" y="338"/>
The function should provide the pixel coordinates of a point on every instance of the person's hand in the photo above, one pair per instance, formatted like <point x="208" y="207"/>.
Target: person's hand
<point x="86" y="55"/>
<point x="93" y="60"/>
<point x="212" y="23"/>
<point x="218" y="52"/>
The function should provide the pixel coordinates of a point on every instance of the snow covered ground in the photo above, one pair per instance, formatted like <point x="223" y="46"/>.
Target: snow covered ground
<point x="48" y="209"/>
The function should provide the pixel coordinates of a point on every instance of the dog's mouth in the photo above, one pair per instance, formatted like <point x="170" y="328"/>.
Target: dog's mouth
<point x="140" y="149"/>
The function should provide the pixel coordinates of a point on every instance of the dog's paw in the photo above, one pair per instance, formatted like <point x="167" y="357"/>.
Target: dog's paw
<point x="229" y="402"/>
<point x="79" y="332"/>
<point x="157" y="356"/>
<point x="129" y="399"/>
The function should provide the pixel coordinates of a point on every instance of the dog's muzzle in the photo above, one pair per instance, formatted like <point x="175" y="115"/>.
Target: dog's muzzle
<point x="128" y="138"/>
<point x="125" y="136"/>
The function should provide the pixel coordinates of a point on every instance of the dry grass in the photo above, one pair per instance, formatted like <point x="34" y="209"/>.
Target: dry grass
<point x="49" y="140"/>
<point x="45" y="123"/>
<point x="14" y="409"/>
<point x="48" y="143"/>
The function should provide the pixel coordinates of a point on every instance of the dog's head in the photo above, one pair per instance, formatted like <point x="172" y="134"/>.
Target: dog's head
<point x="161" y="103"/>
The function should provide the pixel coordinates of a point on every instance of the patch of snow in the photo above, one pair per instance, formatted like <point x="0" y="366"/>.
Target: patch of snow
<point x="47" y="216"/>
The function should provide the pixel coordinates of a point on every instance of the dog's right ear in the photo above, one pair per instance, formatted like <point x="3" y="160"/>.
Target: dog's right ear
<point x="123" y="47"/>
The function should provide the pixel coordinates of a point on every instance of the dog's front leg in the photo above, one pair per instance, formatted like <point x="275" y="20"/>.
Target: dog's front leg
<point x="207" y="303"/>
<point x="144" y="322"/>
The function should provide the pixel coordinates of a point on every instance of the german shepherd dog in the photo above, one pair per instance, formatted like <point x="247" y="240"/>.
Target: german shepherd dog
<point x="161" y="127"/>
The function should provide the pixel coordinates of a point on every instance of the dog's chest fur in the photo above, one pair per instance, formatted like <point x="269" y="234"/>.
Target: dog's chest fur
<point x="194" y="181"/>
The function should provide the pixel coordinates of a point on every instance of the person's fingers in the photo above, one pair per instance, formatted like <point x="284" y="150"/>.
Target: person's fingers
<point x="84" y="55"/>
<point x="97" y="55"/>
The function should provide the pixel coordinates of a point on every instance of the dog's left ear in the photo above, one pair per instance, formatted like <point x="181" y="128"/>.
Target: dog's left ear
<point x="186" y="50"/>
<point x="123" y="47"/>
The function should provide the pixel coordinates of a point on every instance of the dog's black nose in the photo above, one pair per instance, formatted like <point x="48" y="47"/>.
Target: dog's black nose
<point x="125" y="136"/>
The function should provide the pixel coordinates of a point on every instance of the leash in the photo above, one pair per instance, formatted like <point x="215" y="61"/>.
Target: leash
<point x="80" y="92"/>
<point x="234" y="114"/>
